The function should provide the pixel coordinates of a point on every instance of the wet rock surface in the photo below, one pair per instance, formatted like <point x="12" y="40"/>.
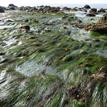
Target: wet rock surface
<point x="2" y="9"/>
<point x="12" y="7"/>
<point x="100" y="26"/>
<point x="87" y="7"/>
<point x="48" y="59"/>
<point x="92" y="12"/>
<point x="101" y="10"/>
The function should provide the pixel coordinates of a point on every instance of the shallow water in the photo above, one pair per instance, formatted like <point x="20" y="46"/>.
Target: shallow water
<point x="102" y="53"/>
<point x="10" y="41"/>
<point x="4" y="84"/>
<point x="31" y="68"/>
<point x="41" y="68"/>
<point x="80" y="14"/>
<point x="6" y="26"/>
<point x="80" y="35"/>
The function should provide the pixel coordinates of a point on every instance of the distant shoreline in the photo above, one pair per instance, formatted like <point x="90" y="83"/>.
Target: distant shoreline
<point x="82" y="5"/>
<point x="70" y="5"/>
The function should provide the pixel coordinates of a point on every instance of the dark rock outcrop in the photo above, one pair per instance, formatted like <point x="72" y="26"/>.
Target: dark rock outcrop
<point x="43" y="9"/>
<point x="12" y="7"/>
<point x="87" y="7"/>
<point x="92" y="12"/>
<point x="100" y="29"/>
<point x="66" y="9"/>
<point x="103" y="20"/>
<point x="100" y="26"/>
<point x="2" y="9"/>
<point x="101" y="10"/>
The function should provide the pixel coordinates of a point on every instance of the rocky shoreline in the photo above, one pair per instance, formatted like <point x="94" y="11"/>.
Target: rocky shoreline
<point x="88" y="11"/>
<point x="53" y="57"/>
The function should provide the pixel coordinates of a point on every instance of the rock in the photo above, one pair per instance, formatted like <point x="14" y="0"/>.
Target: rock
<point x="26" y="8"/>
<point x="12" y="7"/>
<point x="103" y="20"/>
<point x="91" y="15"/>
<point x="43" y="9"/>
<point x="75" y="92"/>
<point x="66" y="9"/>
<point x="54" y="9"/>
<point x="3" y="60"/>
<point x="87" y="7"/>
<point x="2" y="10"/>
<point x="92" y="12"/>
<point x="9" y="20"/>
<point x="105" y="17"/>
<point x="75" y="9"/>
<point x="25" y="28"/>
<point x="100" y="26"/>
<point x="47" y="29"/>
<point x="2" y="53"/>
<point x="100" y="29"/>
<point x="22" y="8"/>
<point x="101" y="10"/>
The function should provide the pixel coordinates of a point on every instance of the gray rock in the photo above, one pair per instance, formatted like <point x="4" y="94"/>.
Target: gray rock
<point x="12" y="7"/>
<point x="101" y="10"/>
<point x="2" y="10"/>
<point x="92" y="12"/>
<point x="87" y="7"/>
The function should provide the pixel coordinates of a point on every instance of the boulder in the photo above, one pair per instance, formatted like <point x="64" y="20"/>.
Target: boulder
<point x="92" y="12"/>
<point x="101" y="10"/>
<point x="100" y="26"/>
<point x="22" y="8"/>
<point x="75" y="9"/>
<point x="43" y="9"/>
<point x="102" y="29"/>
<point x="55" y="9"/>
<point x="103" y="20"/>
<point x="66" y="9"/>
<point x="87" y="7"/>
<point x="105" y="16"/>
<point x="12" y="7"/>
<point x="2" y="10"/>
